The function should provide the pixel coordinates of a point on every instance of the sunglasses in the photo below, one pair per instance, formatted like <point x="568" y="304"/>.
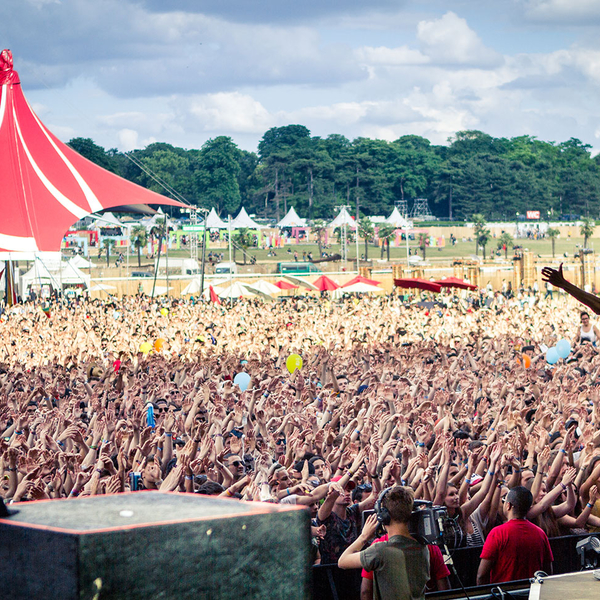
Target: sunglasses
<point x="236" y="463"/>
<point x="161" y="410"/>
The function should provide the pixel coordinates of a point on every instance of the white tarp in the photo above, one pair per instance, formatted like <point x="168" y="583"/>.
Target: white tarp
<point x="244" y="220"/>
<point x="292" y="220"/>
<point x="81" y="263"/>
<point x="235" y="290"/>
<point x="343" y="217"/>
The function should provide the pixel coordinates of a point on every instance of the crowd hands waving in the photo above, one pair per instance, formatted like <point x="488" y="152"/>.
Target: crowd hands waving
<point x="387" y="395"/>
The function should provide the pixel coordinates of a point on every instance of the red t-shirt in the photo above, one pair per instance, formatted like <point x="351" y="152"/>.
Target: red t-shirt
<point x="517" y="549"/>
<point x="437" y="568"/>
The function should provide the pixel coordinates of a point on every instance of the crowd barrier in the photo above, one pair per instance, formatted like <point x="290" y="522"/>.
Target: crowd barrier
<point x="332" y="583"/>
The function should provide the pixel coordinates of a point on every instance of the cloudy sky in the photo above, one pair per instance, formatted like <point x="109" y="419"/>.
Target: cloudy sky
<point x="130" y="72"/>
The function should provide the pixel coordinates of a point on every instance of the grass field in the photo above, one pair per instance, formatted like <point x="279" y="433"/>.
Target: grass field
<point x="267" y="264"/>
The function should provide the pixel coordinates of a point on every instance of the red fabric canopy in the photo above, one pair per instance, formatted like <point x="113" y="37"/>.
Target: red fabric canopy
<point x="419" y="284"/>
<point x="361" y="279"/>
<point x="324" y="284"/>
<point x="456" y="282"/>
<point x="285" y="285"/>
<point x="45" y="186"/>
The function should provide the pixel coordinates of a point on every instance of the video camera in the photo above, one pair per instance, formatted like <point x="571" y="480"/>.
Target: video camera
<point x="430" y="524"/>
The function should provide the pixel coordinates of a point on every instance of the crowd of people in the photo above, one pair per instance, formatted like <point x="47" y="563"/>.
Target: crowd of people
<point x="108" y="396"/>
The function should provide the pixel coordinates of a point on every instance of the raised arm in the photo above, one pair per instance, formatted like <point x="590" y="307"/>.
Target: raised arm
<point x="557" y="279"/>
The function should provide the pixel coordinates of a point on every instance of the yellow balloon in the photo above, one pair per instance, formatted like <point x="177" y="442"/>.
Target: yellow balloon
<point x="164" y="311"/>
<point x="145" y="347"/>
<point x="293" y="362"/>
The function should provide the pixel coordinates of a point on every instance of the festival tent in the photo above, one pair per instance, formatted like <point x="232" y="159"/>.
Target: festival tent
<point x="57" y="277"/>
<point x="265" y="287"/>
<point x="325" y="284"/>
<point x="244" y="220"/>
<point x="397" y="220"/>
<point x="286" y="285"/>
<point x="418" y="284"/>
<point x="301" y="282"/>
<point x="361" y="279"/>
<point x="343" y="218"/>
<point x="193" y="287"/>
<point x="46" y="185"/>
<point x="213" y="221"/>
<point x="81" y="263"/>
<point x="235" y="290"/>
<point x="455" y="282"/>
<point x="362" y="288"/>
<point x="292" y="220"/>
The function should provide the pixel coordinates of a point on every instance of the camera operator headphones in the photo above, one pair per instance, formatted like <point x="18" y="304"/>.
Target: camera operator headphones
<point x="383" y="514"/>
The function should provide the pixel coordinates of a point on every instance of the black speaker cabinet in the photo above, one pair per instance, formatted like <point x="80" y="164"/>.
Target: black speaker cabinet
<point x="152" y="546"/>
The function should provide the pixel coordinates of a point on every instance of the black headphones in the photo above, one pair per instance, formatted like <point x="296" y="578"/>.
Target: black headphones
<point x="383" y="514"/>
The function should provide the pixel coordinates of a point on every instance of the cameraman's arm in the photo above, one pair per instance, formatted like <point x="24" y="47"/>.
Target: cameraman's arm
<point x="350" y="559"/>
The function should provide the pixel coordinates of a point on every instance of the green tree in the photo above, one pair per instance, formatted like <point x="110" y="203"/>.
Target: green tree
<point x="217" y="175"/>
<point x="243" y="239"/>
<point x="587" y="230"/>
<point x="367" y="232"/>
<point x="423" y="243"/>
<point x="386" y="232"/>
<point x="553" y="233"/>
<point x="139" y="238"/>
<point x="479" y="225"/>
<point x="319" y="228"/>
<point x="505" y="241"/>
<point x="483" y="239"/>
<point x="108" y="244"/>
<point x="97" y="154"/>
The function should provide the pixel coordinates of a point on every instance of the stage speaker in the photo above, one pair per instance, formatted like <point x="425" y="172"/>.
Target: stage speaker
<point x="154" y="545"/>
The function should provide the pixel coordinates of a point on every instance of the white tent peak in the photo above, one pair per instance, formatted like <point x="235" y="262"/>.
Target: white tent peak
<point x="343" y="218"/>
<point x="213" y="221"/>
<point x="398" y="220"/>
<point x="244" y="220"/>
<point x="292" y="219"/>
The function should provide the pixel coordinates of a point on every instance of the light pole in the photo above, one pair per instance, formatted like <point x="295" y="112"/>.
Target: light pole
<point x="204" y="212"/>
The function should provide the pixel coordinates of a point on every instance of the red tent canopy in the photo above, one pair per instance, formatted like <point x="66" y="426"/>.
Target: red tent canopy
<point x="456" y="282"/>
<point x="324" y="284"/>
<point x="285" y="285"/>
<point x="419" y="284"/>
<point x="361" y="279"/>
<point x="45" y="185"/>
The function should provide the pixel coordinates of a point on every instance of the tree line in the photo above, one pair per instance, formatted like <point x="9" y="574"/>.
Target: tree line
<point x="498" y="178"/>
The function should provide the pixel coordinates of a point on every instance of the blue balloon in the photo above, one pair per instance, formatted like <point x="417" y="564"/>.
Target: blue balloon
<point x="552" y="355"/>
<point x="563" y="347"/>
<point x="242" y="380"/>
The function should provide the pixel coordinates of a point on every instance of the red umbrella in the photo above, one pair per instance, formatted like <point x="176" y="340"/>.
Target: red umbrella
<point x="456" y="283"/>
<point x="324" y="284"/>
<point x="285" y="285"/>
<point x="420" y="284"/>
<point x="361" y="279"/>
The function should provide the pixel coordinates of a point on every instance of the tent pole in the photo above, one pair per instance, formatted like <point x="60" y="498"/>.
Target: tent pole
<point x="205" y="214"/>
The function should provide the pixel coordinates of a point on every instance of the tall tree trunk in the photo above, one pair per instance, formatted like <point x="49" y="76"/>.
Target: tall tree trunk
<point x="387" y="246"/>
<point x="139" y="253"/>
<point x="108" y="255"/>
<point x="382" y="249"/>
<point x="277" y="195"/>
<point x="310" y="192"/>
<point x="553" y="245"/>
<point x="366" y="248"/>
<point x="450" y="204"/>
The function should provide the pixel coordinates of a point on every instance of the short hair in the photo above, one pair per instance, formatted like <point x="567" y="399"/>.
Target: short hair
<point x="399" y="503"/>
<point x="521" y="500"/>
<point x="210" y="488"/>
<point x="584" y="313"/>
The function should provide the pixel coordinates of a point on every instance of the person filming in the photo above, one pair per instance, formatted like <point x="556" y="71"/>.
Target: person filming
<point x="400" y="565"/>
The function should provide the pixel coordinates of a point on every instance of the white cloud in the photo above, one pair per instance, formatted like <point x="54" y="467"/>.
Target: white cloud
<point x="561" y="12"/>
<point x="450" y="40"/>
<point x="391" y="56"/>
<point x="128" y="140"/>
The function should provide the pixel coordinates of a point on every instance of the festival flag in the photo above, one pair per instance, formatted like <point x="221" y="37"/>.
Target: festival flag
<point x="46" y="310"/>
<point x="213" y="296"/>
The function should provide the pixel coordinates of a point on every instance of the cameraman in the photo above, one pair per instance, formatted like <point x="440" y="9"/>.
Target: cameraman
<point x="400" y="565"/>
